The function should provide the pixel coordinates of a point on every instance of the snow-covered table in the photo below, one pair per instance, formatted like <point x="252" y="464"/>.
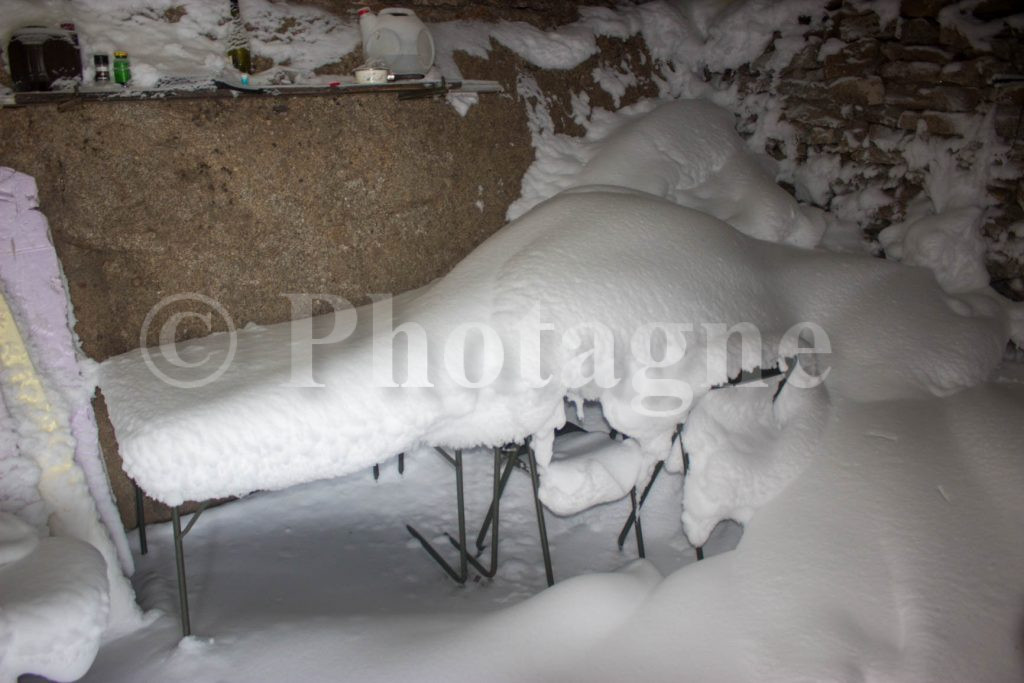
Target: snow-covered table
<point x="564" y="302"/>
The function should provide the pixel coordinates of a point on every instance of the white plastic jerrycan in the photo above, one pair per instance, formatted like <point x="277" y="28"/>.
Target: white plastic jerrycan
<point x="397" y="39"/>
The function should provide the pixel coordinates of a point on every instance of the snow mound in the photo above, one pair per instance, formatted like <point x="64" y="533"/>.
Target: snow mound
<point x="596" y="268"/>
<point x="947" y="243"/>
<point x="892" y="557"/>
<point x="686" y="151"/>
<point x="17" y="539"/>
<point x="589" y="469"/>
<point x="744" y="448"/>
<point x="689" y="152"/>
<point x="53" y="608"/>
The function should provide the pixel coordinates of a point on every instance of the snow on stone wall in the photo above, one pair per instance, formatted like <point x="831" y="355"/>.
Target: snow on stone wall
<point x="886" y="115"/>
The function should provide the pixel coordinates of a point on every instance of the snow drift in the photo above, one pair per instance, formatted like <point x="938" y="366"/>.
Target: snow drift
<point x="54" y="601"/>
<point x="585" y="260"/>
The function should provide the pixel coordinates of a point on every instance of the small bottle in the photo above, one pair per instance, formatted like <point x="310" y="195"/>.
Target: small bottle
<point x="122" y="68"/>
<point x="102" y="64"/>
<point x="238" y="41"/>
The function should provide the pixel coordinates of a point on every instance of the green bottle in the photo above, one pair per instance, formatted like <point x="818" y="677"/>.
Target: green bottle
<point x="238" y="41"/>
<point x="122" y="68"/>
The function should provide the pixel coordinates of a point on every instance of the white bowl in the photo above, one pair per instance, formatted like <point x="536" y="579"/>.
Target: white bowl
<point x="371" y="74"/>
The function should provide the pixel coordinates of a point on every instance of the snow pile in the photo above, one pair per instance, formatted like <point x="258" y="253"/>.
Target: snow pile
<point x="745" y="446"/>
<point x="949" y="243"/>
<point x="53" y="603"/>
<point x="689" y="152"/>
<point x="17" y="539"/>
<point x="692" y="43"/>
<point x="587" y="265"/>
<point x="893" y="556"/>
<point x="686" y="151"/>
<point x="589" y="469"/>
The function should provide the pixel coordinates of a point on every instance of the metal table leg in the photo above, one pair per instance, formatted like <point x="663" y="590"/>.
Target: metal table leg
<point x="462" y="574"/>
<point x="491" y="520"/>
<point x="140" y="519"/>
<point x="541" y="526"/>
<point x="633" y="515"/>
<point x="179" y="558"/>
<point x="500" y="477"/>
<point x="699" y="550"/>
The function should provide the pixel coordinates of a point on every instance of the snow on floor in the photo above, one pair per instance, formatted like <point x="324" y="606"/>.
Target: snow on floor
<point x="323" y="581"/>
<point x="894" y="556"/>
<point x="54" y="600"/>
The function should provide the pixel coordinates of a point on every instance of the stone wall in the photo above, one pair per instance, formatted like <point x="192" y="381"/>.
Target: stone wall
<point x="864" y="87"/>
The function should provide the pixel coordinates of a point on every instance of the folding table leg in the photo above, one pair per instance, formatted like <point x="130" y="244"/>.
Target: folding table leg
<point x="541" y="526"/>
<point x="179" y="558"/>
<point x="513" y="457"/>
<point x="637" y="526"/>
<point x="140" y="519"/>
<point x="699" y="550"/>
<point x="462" y="574"/>
<point x="633" y="515"/>
<point x="492" y="520"/>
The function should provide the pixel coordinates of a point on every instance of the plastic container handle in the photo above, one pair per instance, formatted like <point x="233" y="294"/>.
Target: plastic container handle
<point x="396" y="12"/>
